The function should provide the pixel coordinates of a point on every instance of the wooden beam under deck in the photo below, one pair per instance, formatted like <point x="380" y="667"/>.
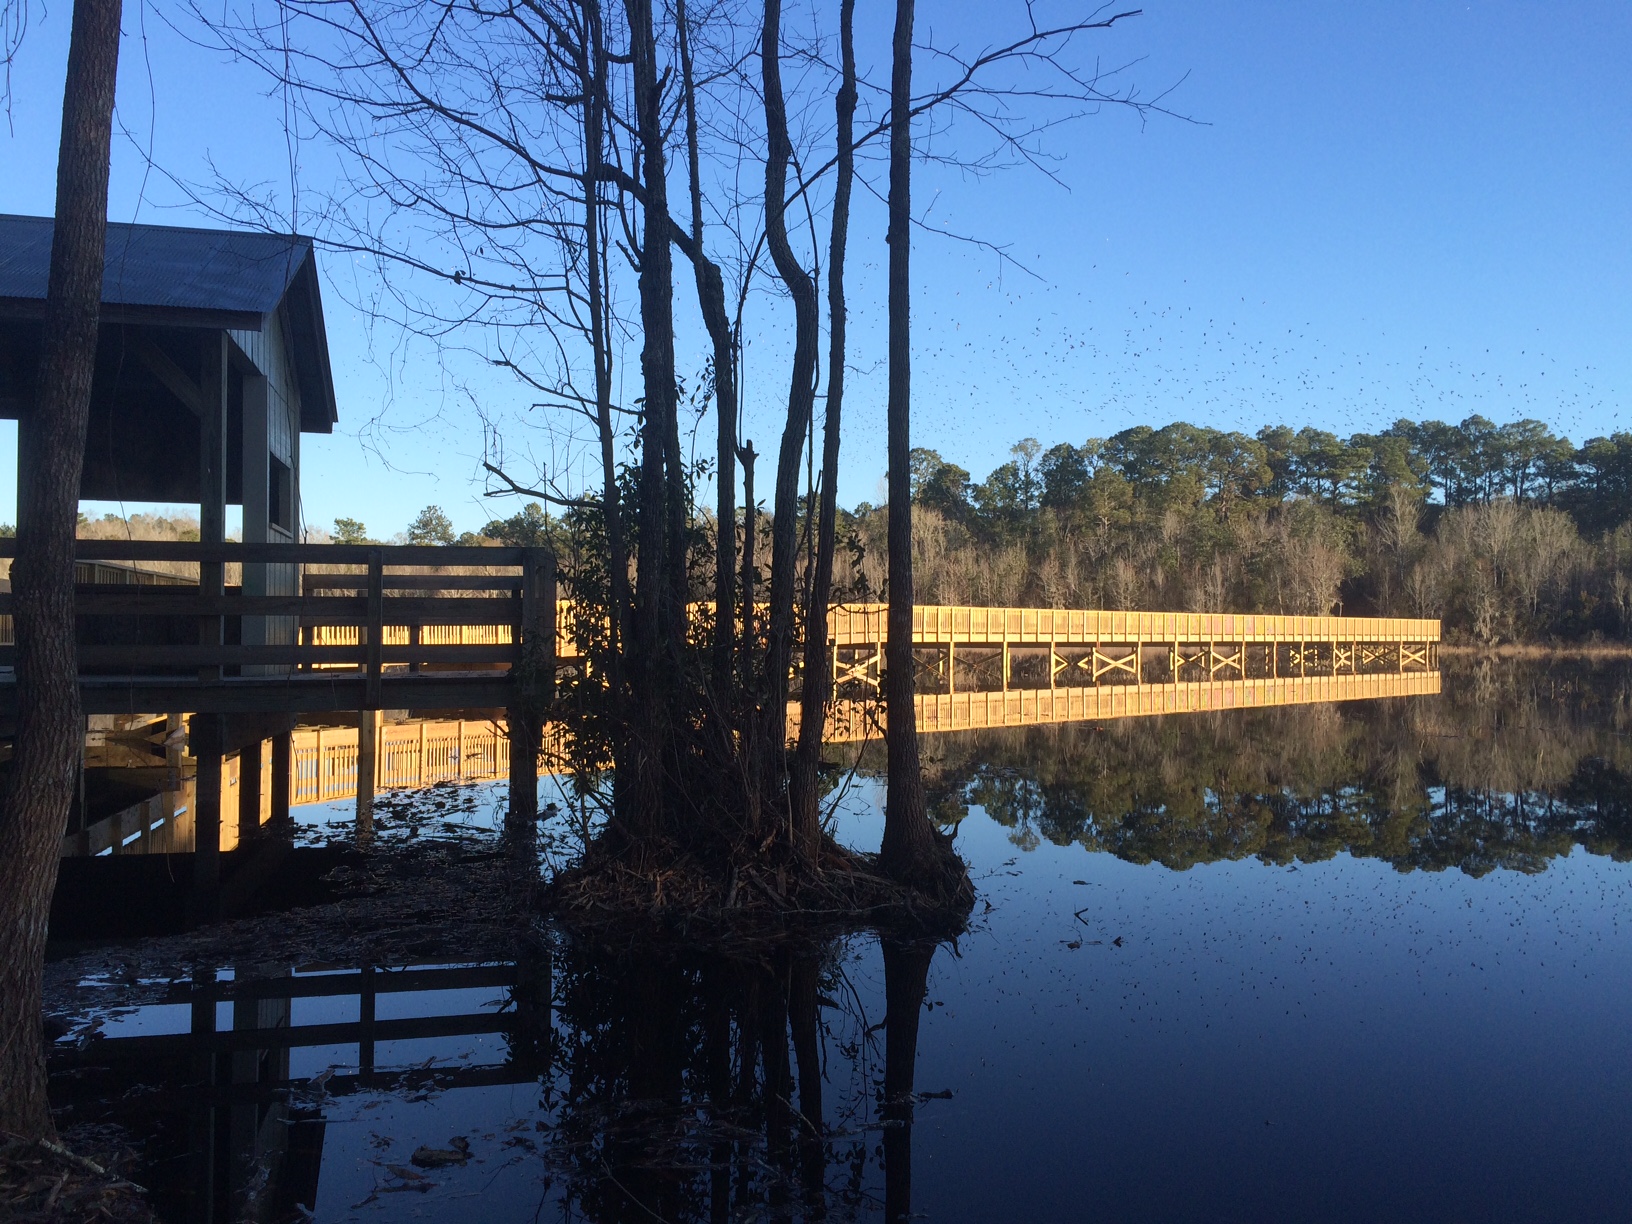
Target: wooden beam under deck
<point x="305" y="693"/>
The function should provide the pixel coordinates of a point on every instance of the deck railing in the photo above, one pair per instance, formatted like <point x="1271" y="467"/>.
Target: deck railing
<point x="301" y="608"/>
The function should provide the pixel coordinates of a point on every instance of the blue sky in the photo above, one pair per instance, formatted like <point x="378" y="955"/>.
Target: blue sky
<point x="1382" y="210"/>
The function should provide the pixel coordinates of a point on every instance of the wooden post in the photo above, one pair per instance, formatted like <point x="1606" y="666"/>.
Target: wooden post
<point x="534" y="682"/>
<point x="376" y="628"/>
<point x="249" y="792"/>
<point x="172" y="779"/>
<point x="212" y="482"/>
<point x="282" y="782"/>
<point x="255" y="455"/>
<point x="207" y="736"/>
<point x="367" y="741"/>
<point x="80" y="817"/>
<point x="415" y="633"/>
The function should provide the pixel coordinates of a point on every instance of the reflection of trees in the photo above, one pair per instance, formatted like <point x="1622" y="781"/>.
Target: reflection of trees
<point x="906" y="977"/>
<point x="1514" y="766"/>
<point x="690" y="1087"/>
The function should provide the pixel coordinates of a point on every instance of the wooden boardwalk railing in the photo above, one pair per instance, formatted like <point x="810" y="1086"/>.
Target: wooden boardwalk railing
<point x="409" y="626"/>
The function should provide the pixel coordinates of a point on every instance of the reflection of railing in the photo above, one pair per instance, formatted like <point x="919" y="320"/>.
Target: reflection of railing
<point x="852" y="720"/>
<point x="409" y="755"/>
<point x="227" y="1120"/>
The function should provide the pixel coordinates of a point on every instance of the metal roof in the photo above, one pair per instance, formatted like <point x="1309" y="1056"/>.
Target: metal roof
<point x="162" y="266"/>
<point x="182" y="277"/>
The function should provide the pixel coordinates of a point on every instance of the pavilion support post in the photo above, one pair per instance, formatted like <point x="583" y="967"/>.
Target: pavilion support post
<point x="212" y="481"/>
<point x="368" y="723"/>
<point x="257" y="502"/>
<point x="282" y="766"/>
<point x="208" y="735"/>
<point x="249" y="792"/>
<point x="524" y="742"/>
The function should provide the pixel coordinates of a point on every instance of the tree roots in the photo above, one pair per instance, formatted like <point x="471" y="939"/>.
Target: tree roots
<point x="661" y="886"/>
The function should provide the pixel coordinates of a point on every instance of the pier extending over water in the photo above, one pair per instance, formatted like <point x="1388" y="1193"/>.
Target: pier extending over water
<point x="216" y="684"/>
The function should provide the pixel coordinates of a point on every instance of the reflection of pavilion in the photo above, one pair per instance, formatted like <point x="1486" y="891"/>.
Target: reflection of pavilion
<point x="681" y="1089"/>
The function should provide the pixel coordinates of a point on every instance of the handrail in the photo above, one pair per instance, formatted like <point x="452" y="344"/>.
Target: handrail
<point x="425" y="555"/>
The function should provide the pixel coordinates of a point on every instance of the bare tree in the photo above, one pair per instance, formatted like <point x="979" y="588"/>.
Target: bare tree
<point x="908" y="849"/>
<point x="50" y="729"/>
<point x="516" y="159"/>
<point x="818" y="678"/>
<point x="711" y="302"/>
<point x="801" y="287"/>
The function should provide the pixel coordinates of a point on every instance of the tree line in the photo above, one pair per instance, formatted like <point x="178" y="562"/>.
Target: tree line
<point x="1506" y="532"/>
<point x="1402" y="781"/>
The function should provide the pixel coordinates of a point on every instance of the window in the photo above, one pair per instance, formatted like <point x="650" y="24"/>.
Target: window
<point x="280" y="509"/>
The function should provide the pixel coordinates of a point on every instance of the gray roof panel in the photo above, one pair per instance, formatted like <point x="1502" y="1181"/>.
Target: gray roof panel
<point x="163" y="267"/>
<point x="174" y="276"/>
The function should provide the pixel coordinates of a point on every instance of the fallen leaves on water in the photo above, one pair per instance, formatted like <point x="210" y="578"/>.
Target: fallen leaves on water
<point x="457" y="1152"/>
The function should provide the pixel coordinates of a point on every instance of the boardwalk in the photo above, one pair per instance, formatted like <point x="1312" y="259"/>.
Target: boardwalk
<point x="1014" y="667"/>
<point x="441" y="629"/>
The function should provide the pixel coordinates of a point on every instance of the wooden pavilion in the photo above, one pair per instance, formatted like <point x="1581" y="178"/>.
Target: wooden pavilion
<point x="212" y="361"/>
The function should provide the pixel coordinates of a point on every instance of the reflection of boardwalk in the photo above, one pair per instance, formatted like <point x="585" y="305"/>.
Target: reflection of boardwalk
<point x="854" y="720"/>
<point x="411" y="754"/>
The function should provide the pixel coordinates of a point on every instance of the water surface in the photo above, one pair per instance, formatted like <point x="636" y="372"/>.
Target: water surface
<point x="1333" y="963"/>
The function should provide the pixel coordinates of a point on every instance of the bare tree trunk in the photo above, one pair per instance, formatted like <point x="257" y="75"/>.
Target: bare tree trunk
<point x="818" y="684"/>
<point x="909" y="842"/>
<point x="751" y="723"/>
<point x="801" y="392"/>
<point x="40" y="786"/>
<point x="654" y="587"/>
<point x="711" y="301"/>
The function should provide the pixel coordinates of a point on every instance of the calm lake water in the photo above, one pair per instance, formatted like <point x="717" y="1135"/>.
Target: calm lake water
<point x="1328" y="963"/>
